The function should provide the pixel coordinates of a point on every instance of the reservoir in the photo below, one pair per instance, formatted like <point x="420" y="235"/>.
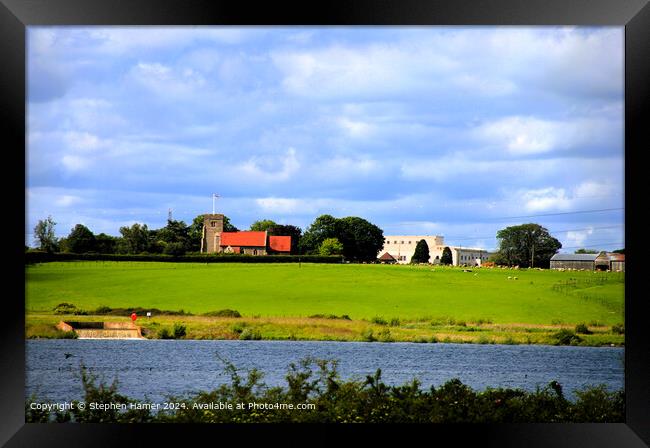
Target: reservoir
<point x="153" y="370"/>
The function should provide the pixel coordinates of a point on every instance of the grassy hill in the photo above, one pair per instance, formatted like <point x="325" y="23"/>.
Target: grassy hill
<point x="536" y="297"/>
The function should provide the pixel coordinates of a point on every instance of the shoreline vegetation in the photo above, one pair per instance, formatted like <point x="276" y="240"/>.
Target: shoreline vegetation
<point x="337" y="328"/>
<point x="330" y="302"/>
<point x="315" y="393"/>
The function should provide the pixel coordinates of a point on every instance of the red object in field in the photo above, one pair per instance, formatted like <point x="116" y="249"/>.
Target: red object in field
<point x="134" y="317"/>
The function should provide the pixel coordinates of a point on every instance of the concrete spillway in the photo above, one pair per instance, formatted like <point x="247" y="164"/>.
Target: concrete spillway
<point x="103" y="330"/>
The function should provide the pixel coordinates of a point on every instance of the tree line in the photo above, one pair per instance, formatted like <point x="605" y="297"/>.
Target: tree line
<point x="525" y="245"/>
<point x="353" y="237"/>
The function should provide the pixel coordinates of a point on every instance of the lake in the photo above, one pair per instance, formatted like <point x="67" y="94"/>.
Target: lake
<point x="151" y="370"/>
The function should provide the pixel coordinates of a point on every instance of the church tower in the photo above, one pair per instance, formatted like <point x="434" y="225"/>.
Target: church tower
<point x="211" y="238"/>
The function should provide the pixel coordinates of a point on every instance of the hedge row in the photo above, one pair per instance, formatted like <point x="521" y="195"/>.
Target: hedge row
<point x="44" y="257"/>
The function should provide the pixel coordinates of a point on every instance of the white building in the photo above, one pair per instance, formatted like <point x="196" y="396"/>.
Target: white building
<point x="402" y="248"/>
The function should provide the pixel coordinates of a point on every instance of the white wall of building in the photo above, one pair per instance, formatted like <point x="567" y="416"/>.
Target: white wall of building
<point x="402" y="248"/>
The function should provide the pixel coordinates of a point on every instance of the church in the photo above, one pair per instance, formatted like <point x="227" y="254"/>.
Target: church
<point x="215" y="240"/>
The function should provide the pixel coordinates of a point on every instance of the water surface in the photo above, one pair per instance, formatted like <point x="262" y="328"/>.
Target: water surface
<point x="152" y="370"/>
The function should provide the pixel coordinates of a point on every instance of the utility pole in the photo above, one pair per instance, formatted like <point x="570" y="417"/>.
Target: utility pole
<point x="532" y="257"/>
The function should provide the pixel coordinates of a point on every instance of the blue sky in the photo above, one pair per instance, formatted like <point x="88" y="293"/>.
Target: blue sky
<point x="455" y="131"/>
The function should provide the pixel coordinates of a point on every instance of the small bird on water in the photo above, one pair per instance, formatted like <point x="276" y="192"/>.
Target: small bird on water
<point x="67" y="355"/>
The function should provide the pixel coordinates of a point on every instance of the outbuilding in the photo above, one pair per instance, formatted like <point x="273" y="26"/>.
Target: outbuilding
<point x="574" y="261"/>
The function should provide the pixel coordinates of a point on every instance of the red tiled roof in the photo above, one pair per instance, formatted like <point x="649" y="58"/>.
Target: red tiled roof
<point x="280" y="243"/>
<point x="245" y="239"/>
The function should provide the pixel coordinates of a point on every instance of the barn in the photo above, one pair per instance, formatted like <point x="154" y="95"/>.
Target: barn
<point x="574" y="261"/>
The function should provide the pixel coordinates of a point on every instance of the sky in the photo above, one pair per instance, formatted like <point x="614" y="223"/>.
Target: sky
<point x="452" y="131"/>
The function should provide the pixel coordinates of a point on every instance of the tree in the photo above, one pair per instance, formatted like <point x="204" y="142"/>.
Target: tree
<point x="446" y="257"/>
<point x="135" y="239"/>
<point x="586" y="251"/>
<point x="620" y="251"/>
<point x="527" y="245"/>
<point x="80" y="240"/>
<point x="421" y="254"/>
<point x="330" y="246"/>
<point x="105" y="244"/>
<point x="325" y="226"/>
<point x="44" y="233"/>
<point x="262" y="225"/>
<point x="361" y="239"/>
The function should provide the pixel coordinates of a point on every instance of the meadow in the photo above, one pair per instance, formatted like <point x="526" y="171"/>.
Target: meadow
<point x="371" y="296"/>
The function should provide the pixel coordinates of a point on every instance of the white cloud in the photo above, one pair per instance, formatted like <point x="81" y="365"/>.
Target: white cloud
<point x="578" y="237"/>
<point x="75" y="163"/>
<point x="67" y="200"/>
<point x="271" y="169"/>
<point x="546" y="199"/>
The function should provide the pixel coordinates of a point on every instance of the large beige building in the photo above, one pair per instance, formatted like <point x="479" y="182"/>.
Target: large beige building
<point x="402" y="248"/>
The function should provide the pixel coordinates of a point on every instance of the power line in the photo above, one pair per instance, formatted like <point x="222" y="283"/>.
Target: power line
<point x="563" y="213"/>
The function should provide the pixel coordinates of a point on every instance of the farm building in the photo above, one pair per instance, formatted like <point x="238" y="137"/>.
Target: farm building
<point x="574" y="261"/>
<point x="215" y="240"/>
<point x="402" y="248"/>
<point x="603" y="261"/>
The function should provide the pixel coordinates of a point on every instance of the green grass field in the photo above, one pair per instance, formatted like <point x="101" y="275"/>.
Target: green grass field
<point x="537" y="297"/>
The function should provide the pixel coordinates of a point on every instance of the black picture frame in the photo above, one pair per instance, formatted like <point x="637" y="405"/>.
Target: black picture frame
<point x="16" y="15"/>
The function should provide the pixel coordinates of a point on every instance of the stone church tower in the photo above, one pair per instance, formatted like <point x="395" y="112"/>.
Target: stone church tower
<point x="211" y="238"/>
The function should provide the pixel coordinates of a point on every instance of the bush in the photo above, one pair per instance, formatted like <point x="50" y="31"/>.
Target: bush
<point x="250" y="334"/>
<point x="223" y="313"/>
<point x="582" y="329"/>
<point x="395" y="322"/>
<point x="618" y="329"/>
<point x="566" y="337"/>
<point x="164" y="333"/>
<point x="179" y="331"/>
<point x="367" y="335"/>
<point x="69" y="308"/>
<point x="378" y="320"/>
<point x="329" y="316"/>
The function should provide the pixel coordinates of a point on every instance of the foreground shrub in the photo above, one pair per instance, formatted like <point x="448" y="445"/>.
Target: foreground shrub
<point x="582" y="329"/>
<point x="317" y="383"/>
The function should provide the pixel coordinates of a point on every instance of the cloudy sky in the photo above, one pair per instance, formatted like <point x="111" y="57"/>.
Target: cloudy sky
<point x="455" y="131"/>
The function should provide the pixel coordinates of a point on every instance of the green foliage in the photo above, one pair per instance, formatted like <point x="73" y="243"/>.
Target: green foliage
<point x="379" y="320"/>
<point x="164" y="333"/>
<point x="618" y="329"/>
<point x="174" y="249"/>
<point x="566" y="337"/>
<point x="69" y="308"/>
<point x="586" y="251"/>
<point x="36" y="257"/>
<point x="250" y="334"/>
<point x="223" y="313"/>
<point x="179" y="331"/>
<point x="80" y="240"/>
<point x="582" y="329"/>
<point x="317" y="382"/>
<point x="330" y="246"/>
<point x="525" y="244"/>
<point x="263" y="225"/>
<point x="135" y="239"/>
<point x="421" y="254"/>
<point x="361" y="239"/>
<point x="330" y="316"/>
<point x="446" y="258"/>
<point x="367" y="335"/>
<point x="44" y="234"/>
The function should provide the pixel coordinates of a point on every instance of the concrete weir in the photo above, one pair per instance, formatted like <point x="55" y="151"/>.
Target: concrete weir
<point x="103" y="330"/>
